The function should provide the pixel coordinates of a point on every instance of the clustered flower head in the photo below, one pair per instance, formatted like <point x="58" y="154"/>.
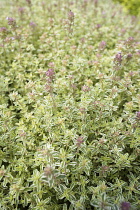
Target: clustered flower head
<point x="3" y="32"/>
<point x="138" y="116"/>
<point x="129" y="41"/>
<point x="21" y="10"/>
<point x="79" y="141"/>
<point x="2" y="172"/>
<point x="82" y="39"/>
<point x="138" y="53"/>
<point x="50" y="76"/>
<point x="85" y="88"/>
<point x="48" y="171"/>
<point x="118" y="58"/>
<point x="51" y="64"/>
<point x="98" y="26"/>
<point x="95" y="2"/>
<point x="3" y="29"/>
<point x="85" y="1"/>
<point x="129" y="56"/>
<point x="11" y="21"/>
<point x="125" y="206"/>
<point x="69" y="22"/>
<point x="43" y="3"/>
<point x="82" y="110"/>
<point x="29" y="2"/>
<point x="32" y="25"/>
<point x="71" y="16"/>
<point x="85" y="4"/>
<point x="102" y="45"/>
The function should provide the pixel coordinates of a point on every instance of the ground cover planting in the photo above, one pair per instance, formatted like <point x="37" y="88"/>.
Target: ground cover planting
<point x="69" y="105"/>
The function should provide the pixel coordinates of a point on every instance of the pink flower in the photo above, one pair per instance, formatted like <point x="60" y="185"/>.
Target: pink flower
<point x="21" y="10"/>
<point x="3" y="29"/>
<point x="118" y="59"/>
<point x="11" y="21"/>
<point x="79" y="141"/>
<point x="85" y="88"/>
<point x="125" y="206"/>
<point x="29" y="2"/>
<point x="138" y="115"/>
<point x="32" y="25"/>
<point x="71" y="16"/>
<point x="50" y="73"/>
<point x="102" y="45"/>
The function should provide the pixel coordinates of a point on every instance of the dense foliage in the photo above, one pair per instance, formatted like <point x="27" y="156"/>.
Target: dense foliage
<point x="70" y="106"/>
<point x="133" y="6"/>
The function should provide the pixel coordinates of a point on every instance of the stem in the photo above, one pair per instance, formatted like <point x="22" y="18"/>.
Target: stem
<point x="4" y="51"/>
